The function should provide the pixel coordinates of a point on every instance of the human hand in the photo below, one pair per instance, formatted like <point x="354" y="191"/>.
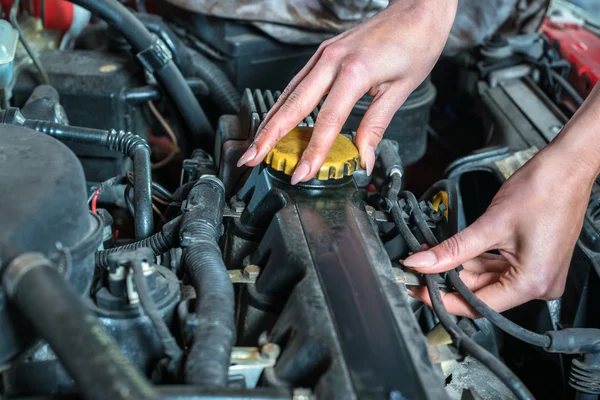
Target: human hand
<point x="387" y="56"/>
<point x="534" y="222"/>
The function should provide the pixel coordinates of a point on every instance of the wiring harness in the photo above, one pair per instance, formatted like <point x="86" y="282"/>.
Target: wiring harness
<point x="404" y="208"/>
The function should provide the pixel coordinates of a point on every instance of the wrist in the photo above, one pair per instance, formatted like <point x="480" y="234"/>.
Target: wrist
<point x="577" y="157"/>
<point x="578" y="144"/>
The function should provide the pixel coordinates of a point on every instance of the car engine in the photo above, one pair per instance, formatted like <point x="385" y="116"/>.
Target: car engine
<point x="138" y="262"/>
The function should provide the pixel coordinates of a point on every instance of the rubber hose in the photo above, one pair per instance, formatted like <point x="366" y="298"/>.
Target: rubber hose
<point x="468" y="345"/>
<point x="169" y="76"/>
<point x="222" y="91"/>
<point x="208" y="360"/>
<point x="459" y="338"/>
<point x="170" y="346"/>
<point x="122" y="142"/>
<point x="494" y="317"/>
<point x="159" y="243"/>
<point x="194" y="64"/>
<point x="138" y="150"/>
<point x="56" y="312"/>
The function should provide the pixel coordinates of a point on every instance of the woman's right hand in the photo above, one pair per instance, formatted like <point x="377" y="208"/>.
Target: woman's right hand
<point x="387" y="56"/>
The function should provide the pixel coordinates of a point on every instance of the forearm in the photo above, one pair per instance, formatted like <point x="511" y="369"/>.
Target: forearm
<point x="443" y="10"/>
<point x="578" y="144"/>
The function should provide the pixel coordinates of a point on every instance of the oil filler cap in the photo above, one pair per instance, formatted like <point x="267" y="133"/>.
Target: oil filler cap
<point x="342" y="160"/>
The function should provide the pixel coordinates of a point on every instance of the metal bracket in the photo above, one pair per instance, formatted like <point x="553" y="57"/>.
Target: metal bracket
<point x="156" y="56"/>
<point x="251" y="361"/>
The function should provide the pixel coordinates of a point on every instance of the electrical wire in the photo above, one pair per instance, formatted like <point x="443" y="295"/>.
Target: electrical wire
<point x="169" y="131"/>
<point x="95" y="200"/>
<point x="160" y="215"/>
<point x="128" y="202"/>
<point x="12" y="17"/>
<point x="494" y="317"/>
<point x="160" y="190"/>
<point x="469" y="346"/>
<point x="170" y="346"/>
<point x="459" y="338"/>
<point x="159" y="193"/>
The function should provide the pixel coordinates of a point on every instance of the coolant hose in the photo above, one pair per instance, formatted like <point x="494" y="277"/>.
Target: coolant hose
<point x="58" y="315"/>
<point x="168" y="75"/>
<point x="208" y="360"/>
<point x="222" y="91"/>
<point x="193" y="64"/>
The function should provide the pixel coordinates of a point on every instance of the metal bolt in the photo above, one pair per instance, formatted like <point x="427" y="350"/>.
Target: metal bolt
<point x="270" y="351"/>
<point x="238" y="206"/>
<point x="105" y="69"/>
<point x="251" y="271"/>
<point x="302" y="394"/>
<point x="555" y="129"/>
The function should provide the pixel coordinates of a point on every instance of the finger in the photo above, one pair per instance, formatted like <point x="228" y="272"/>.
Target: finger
<point x="492" y="256"/>
<point x="301" y="102"/>
<point x="382" y="109"/>
<point x="452" y="301"/>
<point x="481" y="265"/>
<point x="327" y="56"/>
<point x="293" y="84"/>
<point x="475" y="281"/>
<point x="476" y="239"/>
<point x="505" y="294"/>
<point x="345" y="92"/>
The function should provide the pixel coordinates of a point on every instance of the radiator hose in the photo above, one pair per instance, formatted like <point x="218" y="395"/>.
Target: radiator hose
<point x="194" y="64"/>
<point x="208" y="361"/>
<point x="58" y="315"/>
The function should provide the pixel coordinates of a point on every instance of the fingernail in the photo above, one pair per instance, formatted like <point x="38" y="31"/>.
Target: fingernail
<point x="249" y="155"/>
<point x="300" y="172"/>
<point x="423" y="259"/>
<point x="370" y="160"/>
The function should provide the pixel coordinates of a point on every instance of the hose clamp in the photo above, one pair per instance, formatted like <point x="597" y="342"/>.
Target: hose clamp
<point x="395" y="171"/>
<point x="156" y="56"/>
<point x="20" y="266"/>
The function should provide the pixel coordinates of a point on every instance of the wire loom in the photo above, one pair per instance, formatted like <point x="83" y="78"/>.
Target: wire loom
<point x="585" y="373"/>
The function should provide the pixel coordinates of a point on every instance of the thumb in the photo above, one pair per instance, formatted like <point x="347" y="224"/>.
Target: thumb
<point x="456" y="250"/>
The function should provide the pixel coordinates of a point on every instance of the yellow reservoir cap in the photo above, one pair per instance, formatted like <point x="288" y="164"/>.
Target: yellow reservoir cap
<point x="342" y="160"/>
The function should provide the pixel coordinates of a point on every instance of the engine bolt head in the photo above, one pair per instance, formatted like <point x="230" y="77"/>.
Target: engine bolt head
<point x="302" y="394"/>
<point x="251" y="271"/>
<point x="238" y="206"/>
<point x="270" y="351"/>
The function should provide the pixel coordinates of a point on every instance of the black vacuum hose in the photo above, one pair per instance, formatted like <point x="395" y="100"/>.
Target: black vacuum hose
<point x="159" y="243"/>
<point x="58" y="315"/>
<point x="168" y="75"/>
<point x="459" y="338"/>
<point x="494" y="317"/>
<point x="125" y="143"/>
<point x="208" y="360"/>
<point x="222" y="91"/>
<point x="193" y="64"/>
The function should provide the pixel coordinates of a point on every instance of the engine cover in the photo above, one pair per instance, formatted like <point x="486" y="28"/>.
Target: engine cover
<point x="327" y="294"/>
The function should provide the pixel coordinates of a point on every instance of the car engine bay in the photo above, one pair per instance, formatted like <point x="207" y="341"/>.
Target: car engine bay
<point x="137" y="261"/>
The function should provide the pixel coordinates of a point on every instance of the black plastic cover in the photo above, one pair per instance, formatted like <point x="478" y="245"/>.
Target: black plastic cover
<point x="43" y="197"/>
<point x="43" y="203"/>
